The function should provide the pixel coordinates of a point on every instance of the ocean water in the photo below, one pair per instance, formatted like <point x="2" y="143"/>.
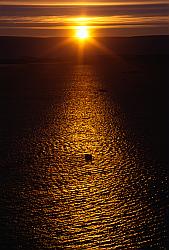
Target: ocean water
<point x="51" y="197"/>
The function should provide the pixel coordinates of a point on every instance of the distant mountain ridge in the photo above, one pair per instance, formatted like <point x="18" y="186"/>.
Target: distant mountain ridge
<point x="27" y="48"/>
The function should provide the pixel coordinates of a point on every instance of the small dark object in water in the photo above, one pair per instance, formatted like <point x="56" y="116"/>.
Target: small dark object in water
<point x="88" y="157"/>
<point x="103" y="90"/>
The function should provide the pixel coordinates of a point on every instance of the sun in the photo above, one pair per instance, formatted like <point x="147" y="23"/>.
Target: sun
<point x="82" y="32"/>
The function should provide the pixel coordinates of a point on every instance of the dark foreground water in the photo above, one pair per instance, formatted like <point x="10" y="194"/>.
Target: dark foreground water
<point x="52" y="115"/>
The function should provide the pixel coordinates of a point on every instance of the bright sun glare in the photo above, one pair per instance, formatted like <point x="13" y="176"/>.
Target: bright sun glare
<point x="82" y="32"/>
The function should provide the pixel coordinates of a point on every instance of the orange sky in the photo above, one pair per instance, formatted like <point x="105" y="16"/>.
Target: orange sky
<point x="111" y="18"/>
<point x="77" y="2"/>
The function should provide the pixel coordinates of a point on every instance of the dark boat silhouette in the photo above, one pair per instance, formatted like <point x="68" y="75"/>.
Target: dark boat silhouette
<point x="88" y="157"/>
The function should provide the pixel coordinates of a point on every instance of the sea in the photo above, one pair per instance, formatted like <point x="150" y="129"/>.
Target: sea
<point x="83" y="155"/>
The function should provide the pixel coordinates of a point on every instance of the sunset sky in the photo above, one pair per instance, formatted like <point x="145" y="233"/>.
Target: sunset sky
<point x="58" y="18"/>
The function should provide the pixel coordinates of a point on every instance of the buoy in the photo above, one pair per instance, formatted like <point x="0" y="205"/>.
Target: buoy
<point x="88" y="157"/>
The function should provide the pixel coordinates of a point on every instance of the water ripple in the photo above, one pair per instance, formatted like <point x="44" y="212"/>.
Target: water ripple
<point x="112" y="202"/>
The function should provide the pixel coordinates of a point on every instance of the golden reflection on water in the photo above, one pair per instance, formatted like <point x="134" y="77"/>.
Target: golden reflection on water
<point x="52" y="198"/>
<point x="99" y="204"/>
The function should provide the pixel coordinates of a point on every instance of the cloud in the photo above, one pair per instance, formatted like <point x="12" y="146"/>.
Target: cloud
<point x="126" y="16"/>
<point x="67" y="21"/>
<point x="136" y="9"/>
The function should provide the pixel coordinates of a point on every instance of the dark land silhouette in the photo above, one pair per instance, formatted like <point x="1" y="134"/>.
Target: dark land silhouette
<point x="41" y="49"/>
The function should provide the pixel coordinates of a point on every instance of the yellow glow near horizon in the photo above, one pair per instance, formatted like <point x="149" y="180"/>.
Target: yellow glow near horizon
<point x="82" y="32"/>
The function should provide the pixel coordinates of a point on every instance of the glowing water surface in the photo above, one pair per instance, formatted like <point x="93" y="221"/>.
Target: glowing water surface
<point x="63" y="201"/>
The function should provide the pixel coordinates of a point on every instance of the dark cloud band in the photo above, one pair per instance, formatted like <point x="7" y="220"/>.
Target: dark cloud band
<point x="138" y="9"/>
